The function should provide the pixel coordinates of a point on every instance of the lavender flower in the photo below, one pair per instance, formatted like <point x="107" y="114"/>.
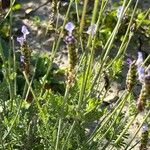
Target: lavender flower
<point x="69" y="27"/>
<point x="141" y="73"/>
<point x="21" y="40"/>
<point x="140" y="68"/>
<point x="140" y="59"/>
<point x="70" y="39"/>
<point x="119" y="11"/>
<point x="25" y="32"/>
<point x="144" y="127"/>
<point x="129" y="61"/>
<point x="92" y="29"/>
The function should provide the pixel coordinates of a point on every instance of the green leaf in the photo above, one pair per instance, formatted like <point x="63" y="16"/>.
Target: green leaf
<point x="16" y="7"/>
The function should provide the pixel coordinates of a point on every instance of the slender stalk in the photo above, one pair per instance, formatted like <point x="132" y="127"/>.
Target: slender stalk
<point x="14" y="69"/>
<point x="83" y="16"/>
<point x="87" y="72"/>
<point x="95" y="10"/>
<point x="34" y="96"/>
<point x="131" y="148"/>
<point x="68" y="136"/>
<point x="77" y="10"/>
<point x="61" y="117"/>
<point x="9" y="11"/>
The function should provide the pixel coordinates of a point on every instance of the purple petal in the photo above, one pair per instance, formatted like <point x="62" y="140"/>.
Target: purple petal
<point x="144" y="127"/>
<point x="21" y="40"/>
<point x="119" y="11"/>
<point x="69" y="27"/>
<point x="25" y="31"/>
<point x="141" y="73"/>
<point x="129" y="61"/>
<point x="140" y="59"/>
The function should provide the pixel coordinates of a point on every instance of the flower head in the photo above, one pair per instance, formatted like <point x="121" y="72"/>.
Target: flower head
<point x="140" y="59"/>
<point x="119" y="11"/>
<point x="129" y="61"/>
<point x="25" y="32"/>
<point x="70" y="27"/>
<point x="92" y="29"/>
<point x="70" y="39"/>
<point x="144" y="127"/>
<point x="21" y="40"/>
<point x="141" y="73"/>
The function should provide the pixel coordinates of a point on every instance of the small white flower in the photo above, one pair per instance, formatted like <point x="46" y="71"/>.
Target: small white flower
<point x="70" y="27"/>
<point x="119" y="11"/>
<point x="92" y="29"/>
<point x="144" y="128"/>
<point x="140" y="59"/>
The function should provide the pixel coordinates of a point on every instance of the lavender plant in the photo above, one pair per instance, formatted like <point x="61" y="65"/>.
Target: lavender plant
<point x="47" y="107"/>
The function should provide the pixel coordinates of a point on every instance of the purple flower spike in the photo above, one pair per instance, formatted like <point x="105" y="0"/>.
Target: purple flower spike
<point x="25" y="31"/>
<point x="21" y="40"/>
<point x="69" y="27"/>
<point x="140" y="59"/>
<point x="141" y="73"/>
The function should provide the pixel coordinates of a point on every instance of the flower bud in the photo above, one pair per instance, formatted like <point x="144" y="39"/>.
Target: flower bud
<point x="131" y="76"/>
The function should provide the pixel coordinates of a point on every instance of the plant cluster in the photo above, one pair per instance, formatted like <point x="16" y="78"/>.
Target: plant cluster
<point x="47" y="107"/>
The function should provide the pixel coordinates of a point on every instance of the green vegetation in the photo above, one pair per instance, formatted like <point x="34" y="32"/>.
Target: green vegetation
<point x="44" y="106"/>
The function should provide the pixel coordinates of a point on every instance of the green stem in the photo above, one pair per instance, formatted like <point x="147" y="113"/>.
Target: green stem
<point x="13" y="122"/>
<point x="69" y="134"/>
<point x="107" y="118"/>
<point x="77" y="10"/>
<point x="83" y="16"/>
<point x="61" y="117"/>
<point x="87" y="72"/>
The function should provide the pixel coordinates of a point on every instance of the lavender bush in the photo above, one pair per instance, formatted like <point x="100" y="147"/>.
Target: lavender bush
<point x="43" y="106"/>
